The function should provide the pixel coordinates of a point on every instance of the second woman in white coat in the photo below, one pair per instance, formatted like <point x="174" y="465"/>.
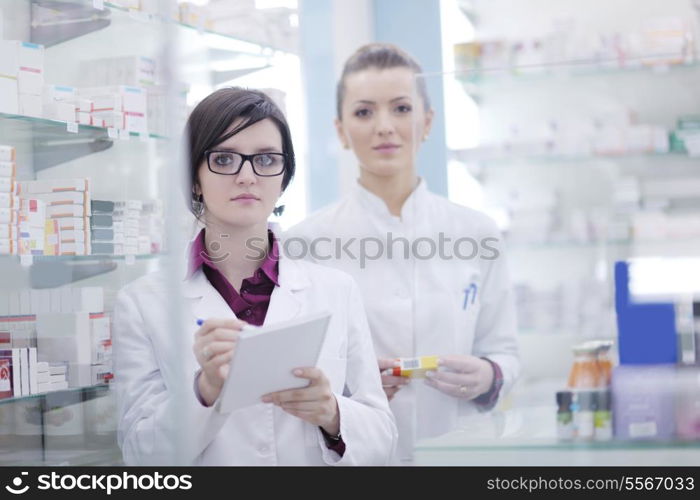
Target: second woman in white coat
<point x="241" y="159"/>
<point x="432" y="274"/>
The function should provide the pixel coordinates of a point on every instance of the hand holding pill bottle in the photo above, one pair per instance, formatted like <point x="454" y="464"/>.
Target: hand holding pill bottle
<point x="413" y="367"/>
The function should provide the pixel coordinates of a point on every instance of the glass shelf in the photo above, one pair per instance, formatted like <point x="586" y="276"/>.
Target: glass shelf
<point x="48" y="271"/>
<point x="473" y="80"/>
<point x="245" y="46"/>
<point x="597" y="245"/>
<point x="49" y="129"/>
<point x="567" y="245"/>
<point x="91" y="392"/>
<point x="553" y="444"/>
<point x="499" y="159"/>
<point x="84" y="258"/>
<point x="528" y="435"/>
<point x="74" y="458"/>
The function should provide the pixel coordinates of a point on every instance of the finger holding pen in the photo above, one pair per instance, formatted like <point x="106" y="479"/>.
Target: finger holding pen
<point x="214" y="345"/>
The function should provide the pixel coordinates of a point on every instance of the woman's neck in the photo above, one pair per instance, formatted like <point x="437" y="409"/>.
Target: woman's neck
<point x="394" y="189"/>
<point x="236" y="252"/>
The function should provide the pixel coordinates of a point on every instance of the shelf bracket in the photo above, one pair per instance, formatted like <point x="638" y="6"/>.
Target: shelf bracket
<point x="49" y="152"/>
<point x="58" y="22"/>
<point x="46" y="274"/>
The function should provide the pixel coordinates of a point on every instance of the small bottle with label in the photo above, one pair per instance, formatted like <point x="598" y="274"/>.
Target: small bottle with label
<point x="602" y="417"/>
<point x="583" y="415"/>
<point x="565" y="417"/>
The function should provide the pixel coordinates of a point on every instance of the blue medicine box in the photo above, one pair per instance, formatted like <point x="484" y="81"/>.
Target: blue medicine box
<point x="646" y="332"/>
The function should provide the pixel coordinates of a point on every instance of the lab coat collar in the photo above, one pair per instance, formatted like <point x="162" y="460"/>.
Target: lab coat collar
<point x="285" y="302"/>
<point x="291" y="277"/>
<point x="376" y="205"/>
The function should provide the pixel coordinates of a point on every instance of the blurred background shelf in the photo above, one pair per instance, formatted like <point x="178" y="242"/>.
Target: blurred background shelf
<point x="86" y="393"/>
<point x="569" y="71"/>
<point x="496" y="158"/>
<point x="526" y="435"/>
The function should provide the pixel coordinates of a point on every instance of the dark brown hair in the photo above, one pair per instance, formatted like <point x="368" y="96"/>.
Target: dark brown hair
<point x="209" y="121"/>
<point x="379" y="56"/>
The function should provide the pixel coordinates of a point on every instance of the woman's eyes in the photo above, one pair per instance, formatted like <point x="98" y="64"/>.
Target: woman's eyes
<point x="223" y="160"/>
<point x="400" y="109"/>
<point x="263" y="160"/>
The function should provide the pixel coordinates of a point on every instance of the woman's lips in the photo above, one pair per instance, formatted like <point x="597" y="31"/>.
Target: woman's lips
<point x="245" y="198"/>
<point x="387" y="148"/>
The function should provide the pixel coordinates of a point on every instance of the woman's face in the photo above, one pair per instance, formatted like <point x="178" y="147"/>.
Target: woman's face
<point x="243" y="199"/>
<point x="382" y="120"/>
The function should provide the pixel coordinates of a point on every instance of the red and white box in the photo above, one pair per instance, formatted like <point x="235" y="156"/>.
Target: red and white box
<point x="7" y="153"/>
<point x="8" y="169"/>
<point x="59" y="211"/>
<point x="7" y="185"/>
<point x="9" y="200"/>
<point x="9" y="232"/>
<point x="8" y="215"/>
<point x="53" y="186"/>
<point x="73" y="223"/>
<point x="60" y="103"/>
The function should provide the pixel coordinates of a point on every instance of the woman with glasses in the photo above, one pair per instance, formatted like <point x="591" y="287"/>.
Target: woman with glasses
<point x="241" y="160"/>
<point x="432" y="273"/>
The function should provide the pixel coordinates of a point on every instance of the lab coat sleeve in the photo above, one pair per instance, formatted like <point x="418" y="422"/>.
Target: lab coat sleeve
<point x="150" y="414"/>
<point x="366" y="422"/>
<point x="495" y="335"/>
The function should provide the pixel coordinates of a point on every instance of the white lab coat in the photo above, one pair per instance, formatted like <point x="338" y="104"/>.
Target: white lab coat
<point x="154" y="378"/>
<point x="420" y="305"/>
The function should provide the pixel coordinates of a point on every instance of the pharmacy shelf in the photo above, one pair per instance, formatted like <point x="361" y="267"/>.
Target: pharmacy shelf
<point x="51" y="142"/>
<point x="79" y="17"/>
<point x="85" y="258"/>
<point x="86" y="393"/>
<point x="52" y="128"/>
<point x="528" y="435"/>
<point x="110" y="456"/>
<point x="213" y="38"/>
<point x="49" y="271"/>
<point x="689" y="246"/>
<point x="559" y="445"/>
<point x="476" y="79"/>
<point x="500" y="158"/>
<point x="566" y="245"/>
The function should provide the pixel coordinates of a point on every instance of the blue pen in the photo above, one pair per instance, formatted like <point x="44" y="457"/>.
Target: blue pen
<point x="199" y="321"/>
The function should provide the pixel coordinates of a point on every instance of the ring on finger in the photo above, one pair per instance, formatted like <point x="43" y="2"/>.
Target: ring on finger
<point x="206" y="353"/>
<point x="463" y="389"/>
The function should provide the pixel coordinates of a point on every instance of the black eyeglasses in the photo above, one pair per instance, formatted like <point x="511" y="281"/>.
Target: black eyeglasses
<point x="230" y="163"/>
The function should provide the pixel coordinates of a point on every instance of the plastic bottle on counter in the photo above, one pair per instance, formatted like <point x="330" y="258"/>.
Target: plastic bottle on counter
<point x="584" y="372"/>
<point x="602" y="416"/>
<point x="565" y="417"/>
<point x="583" y="415"/>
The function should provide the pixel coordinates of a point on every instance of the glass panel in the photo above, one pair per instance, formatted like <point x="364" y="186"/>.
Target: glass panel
<point x="85" y="107"/>
<point x="581" y="162"/>
<point x="102" y="94"/>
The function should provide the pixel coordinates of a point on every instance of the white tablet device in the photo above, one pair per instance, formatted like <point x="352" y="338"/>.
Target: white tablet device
<point x="265" y="357"/>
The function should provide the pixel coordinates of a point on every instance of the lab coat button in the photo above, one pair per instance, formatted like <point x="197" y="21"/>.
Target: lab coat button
<point x="263" y="450"/>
